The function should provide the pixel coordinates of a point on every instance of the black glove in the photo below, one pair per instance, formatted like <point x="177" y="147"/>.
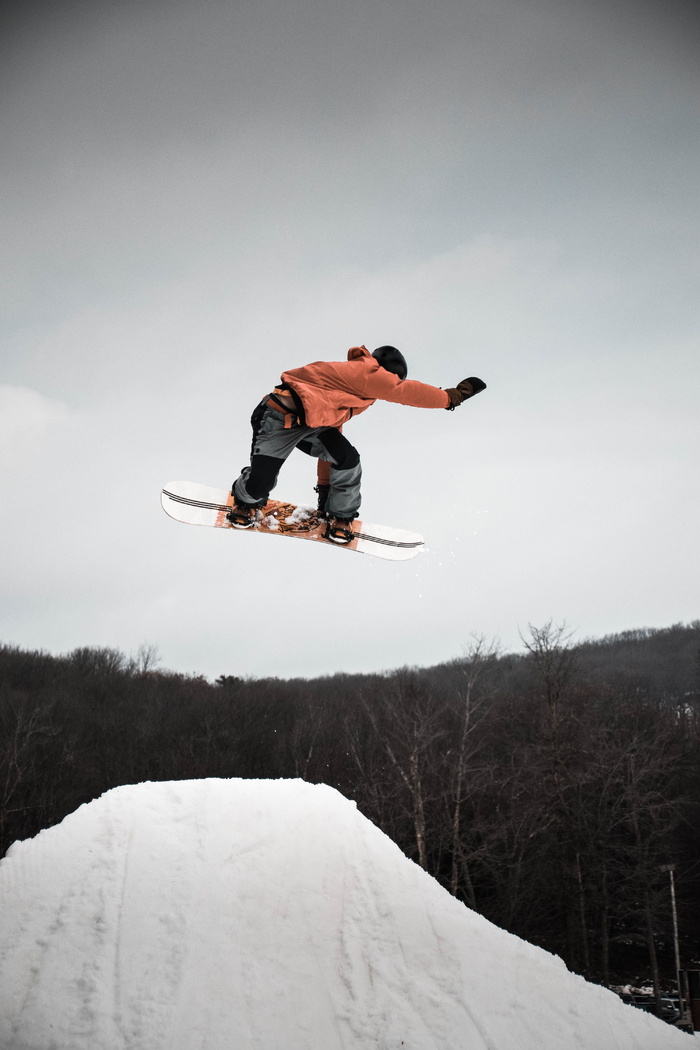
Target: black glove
<point x="467" y="388"/>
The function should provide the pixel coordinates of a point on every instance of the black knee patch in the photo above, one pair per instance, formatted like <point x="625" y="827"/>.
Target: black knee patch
<point x="344" y="454"/>
<point x="263" y="475"/>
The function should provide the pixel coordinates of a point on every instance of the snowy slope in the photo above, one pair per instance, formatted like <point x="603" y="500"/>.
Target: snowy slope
<point x="268" y="915"/>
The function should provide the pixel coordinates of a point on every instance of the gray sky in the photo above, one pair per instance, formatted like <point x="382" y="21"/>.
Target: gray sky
<point x="198" y="196"/>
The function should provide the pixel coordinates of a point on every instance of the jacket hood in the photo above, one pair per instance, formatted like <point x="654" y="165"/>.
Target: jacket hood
<point x="355" y="352"/>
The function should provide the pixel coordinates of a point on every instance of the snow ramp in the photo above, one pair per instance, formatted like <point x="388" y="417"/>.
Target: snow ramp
<point x="268" y="915"/>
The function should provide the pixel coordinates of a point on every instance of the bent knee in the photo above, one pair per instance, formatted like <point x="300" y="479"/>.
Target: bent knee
<point x="344" y="455"/>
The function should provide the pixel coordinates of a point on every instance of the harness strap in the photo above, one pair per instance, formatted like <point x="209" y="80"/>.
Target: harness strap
<point x="281" y="402"/>
<point x="287" y="391"/>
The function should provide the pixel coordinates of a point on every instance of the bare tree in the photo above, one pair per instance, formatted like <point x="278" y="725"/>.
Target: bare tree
<point x="146" y="659"/>
<point x="468" y="704"/>
<point x="408" y="721"/>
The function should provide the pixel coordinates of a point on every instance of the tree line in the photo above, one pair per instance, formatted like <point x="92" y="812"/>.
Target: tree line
<point x="548" y="790"/>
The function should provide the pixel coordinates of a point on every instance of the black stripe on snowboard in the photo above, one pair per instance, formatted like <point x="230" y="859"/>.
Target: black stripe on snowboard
<point x="195" y="502"/>
<point x="409" y="545"/>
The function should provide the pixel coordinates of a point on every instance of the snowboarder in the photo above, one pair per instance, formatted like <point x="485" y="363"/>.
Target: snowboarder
<point x="307" y="411"/>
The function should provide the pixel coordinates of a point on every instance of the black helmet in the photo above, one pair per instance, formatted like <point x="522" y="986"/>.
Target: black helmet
<point x="391" y="359"/>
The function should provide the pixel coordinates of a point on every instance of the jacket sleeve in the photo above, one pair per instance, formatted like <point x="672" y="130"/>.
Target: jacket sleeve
<point x="385" y="386"/>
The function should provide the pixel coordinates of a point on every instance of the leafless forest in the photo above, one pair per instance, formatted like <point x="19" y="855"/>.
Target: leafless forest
<point x="548" y="790"/>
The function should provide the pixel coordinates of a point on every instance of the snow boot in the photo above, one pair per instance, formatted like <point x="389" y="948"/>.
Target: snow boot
<point x="322" y="493"/>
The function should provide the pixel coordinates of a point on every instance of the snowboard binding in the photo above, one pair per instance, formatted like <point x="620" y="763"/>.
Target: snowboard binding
<point x="339" y="530"/>
<point x="241" y="517"/>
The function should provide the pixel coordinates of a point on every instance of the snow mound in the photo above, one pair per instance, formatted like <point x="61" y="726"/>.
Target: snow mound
<point x="268" y="915"/>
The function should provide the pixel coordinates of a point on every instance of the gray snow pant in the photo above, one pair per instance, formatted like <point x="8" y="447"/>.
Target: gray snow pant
<point x="273" y="443"/>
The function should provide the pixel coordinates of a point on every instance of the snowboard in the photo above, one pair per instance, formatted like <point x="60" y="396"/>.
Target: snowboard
<point x="196" y="504"/>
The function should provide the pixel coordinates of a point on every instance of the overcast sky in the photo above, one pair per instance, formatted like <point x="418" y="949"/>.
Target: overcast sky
<point x="197" y="196"/>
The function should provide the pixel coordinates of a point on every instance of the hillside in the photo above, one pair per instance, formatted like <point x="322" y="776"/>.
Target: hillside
<point x="272" y="916"/>
<point x="546" y="789"/>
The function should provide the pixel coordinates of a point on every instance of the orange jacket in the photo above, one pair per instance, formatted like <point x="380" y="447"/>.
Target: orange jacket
<point x="333" y="391"/>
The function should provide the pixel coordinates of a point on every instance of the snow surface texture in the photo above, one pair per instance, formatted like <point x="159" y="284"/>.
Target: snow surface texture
<point x="268" y="915"/>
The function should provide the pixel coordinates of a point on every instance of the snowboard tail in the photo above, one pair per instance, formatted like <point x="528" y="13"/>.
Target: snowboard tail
<point x="196" y="504"/>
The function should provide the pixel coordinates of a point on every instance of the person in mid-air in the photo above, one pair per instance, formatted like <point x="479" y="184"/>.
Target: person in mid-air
<point x="307" y="411"/>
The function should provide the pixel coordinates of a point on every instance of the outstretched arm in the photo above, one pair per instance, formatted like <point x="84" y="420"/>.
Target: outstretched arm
<point x="387" y="387"/>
